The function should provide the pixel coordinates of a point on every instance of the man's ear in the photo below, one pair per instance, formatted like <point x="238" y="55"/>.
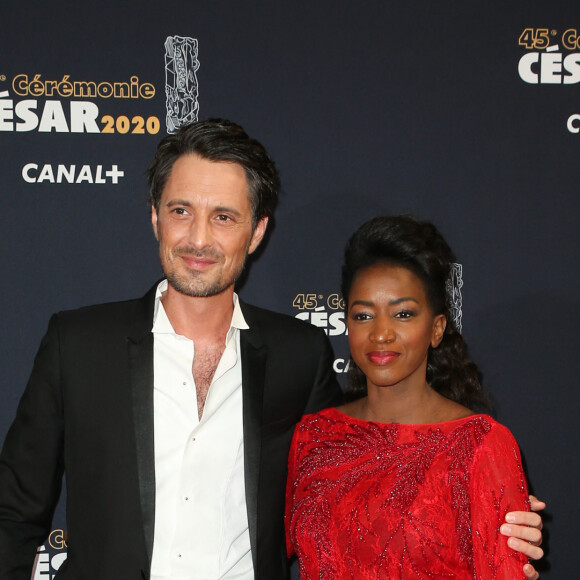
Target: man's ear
<point x="154" y="221"/>
<point x="258" y="234"/>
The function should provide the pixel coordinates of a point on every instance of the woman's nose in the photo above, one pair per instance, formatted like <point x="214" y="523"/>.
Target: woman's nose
<point x="382" y="332"/>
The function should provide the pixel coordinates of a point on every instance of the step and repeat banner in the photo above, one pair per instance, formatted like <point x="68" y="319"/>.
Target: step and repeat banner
<point x="466" y="115"/>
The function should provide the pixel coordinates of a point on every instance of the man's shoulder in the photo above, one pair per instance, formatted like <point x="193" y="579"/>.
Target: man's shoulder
<point x="120" y="311"/>
<point x="100" y="308"/>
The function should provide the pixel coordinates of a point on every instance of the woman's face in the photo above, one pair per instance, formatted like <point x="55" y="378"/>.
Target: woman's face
<point x="391" y="326"/>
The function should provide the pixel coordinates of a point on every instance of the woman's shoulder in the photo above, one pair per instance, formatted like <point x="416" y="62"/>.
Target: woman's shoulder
<point x="497" y="431"/>
<point x="328" y="415"/>
<point x="486" y="433"/>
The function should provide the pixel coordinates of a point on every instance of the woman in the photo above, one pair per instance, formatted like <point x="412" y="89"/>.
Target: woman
<point x="408" y="479"/>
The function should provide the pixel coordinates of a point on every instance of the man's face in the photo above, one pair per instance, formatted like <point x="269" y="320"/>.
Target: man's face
<point x="204" y="225"/>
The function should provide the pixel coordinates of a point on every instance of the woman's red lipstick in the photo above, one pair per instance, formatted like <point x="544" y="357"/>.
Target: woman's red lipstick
<point x="382" y="357"/>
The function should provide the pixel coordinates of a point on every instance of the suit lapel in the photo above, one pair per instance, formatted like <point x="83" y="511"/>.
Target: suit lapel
<point x="140" y="353"/>
<point x="253" y="353"/>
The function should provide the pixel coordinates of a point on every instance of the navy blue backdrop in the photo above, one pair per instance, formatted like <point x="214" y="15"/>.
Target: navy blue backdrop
<point x="468" y="115"/>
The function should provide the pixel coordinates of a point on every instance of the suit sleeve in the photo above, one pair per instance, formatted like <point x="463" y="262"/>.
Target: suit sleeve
<point x="326" y="391"/>
<point x="31" y="464"/>
<point x="290" y="493"/>
<point x="498" y="485"/>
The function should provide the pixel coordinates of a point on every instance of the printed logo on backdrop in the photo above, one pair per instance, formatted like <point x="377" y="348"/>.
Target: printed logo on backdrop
<point x="552" y="58"/>
<point x="454" y="298"/>
<point x="181" y="89"/>
<point x="32" y="102"/>
<point x="325" y="311"/>
<point x="50" y="557"/>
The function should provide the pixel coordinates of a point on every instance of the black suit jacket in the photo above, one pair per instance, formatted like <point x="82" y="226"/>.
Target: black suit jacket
<point x="87" y="411"/>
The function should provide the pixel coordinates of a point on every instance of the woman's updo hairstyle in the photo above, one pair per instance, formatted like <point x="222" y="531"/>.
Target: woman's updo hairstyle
<point x="418" y="246"/>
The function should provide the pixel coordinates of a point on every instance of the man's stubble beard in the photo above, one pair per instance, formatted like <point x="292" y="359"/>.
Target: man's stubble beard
<point x="192" y="283"/>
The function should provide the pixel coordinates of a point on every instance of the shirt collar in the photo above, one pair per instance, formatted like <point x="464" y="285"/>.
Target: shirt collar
<point x="161" y="324"/>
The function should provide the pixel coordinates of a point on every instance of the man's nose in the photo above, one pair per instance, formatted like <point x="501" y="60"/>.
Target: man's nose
<point x="200" y="235"/>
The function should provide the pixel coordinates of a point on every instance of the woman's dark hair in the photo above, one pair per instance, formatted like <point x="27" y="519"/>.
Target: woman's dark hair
<point x="418" y="246"/>
<point x="218" y="140"/>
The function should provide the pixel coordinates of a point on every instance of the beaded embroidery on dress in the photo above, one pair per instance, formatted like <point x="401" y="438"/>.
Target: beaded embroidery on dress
<point x="394" y="501"/>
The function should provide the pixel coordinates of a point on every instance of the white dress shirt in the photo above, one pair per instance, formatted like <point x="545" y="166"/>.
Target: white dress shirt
<point x="201" y="521"/>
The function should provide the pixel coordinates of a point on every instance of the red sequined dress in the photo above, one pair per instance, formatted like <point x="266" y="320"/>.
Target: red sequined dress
<point x="394" y="501"/>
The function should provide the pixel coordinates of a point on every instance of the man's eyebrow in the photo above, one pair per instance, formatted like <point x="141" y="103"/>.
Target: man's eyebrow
<point x="173" y="202"/>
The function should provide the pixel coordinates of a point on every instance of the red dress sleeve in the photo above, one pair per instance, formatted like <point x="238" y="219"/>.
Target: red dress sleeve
<point x="498" y="485"/>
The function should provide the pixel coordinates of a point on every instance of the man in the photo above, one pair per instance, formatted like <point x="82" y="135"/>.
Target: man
<point x="172" y="415"/>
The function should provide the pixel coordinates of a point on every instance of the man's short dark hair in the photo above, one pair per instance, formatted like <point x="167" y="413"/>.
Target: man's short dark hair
<point x="219" y="140"/>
